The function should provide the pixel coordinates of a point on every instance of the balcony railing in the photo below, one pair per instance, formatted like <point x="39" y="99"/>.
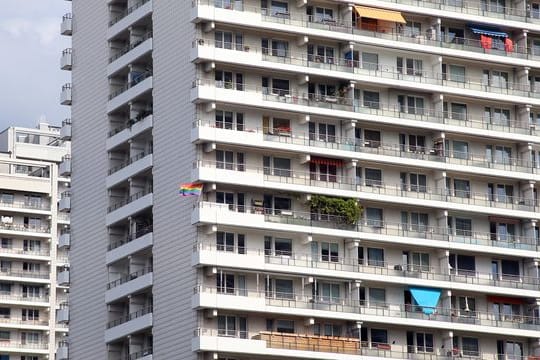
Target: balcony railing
<point x="349" y="264"/>
<point x="140" y="354"/>
<point x="34" y="205"/>
<point x="140" y="78"/>
<point x="126" y="278"/>
<point x="130" y="238"/>
<point x="344" y="305"/>
<point x="127" y="11"/>
<point x="132" y="316"/>
<point x="353" y="346"/>
<point x="130" y="47"/>
<point x="394" y="34"/>
<point x="416" y="192"/>
<point x="380" y="227"/>
<point x="26" y="274"/>
<point x="24" y="345"/>
<point x="25" y="228"/>
<point x="8" y="296"/>
<point x="129" y="162"/>
<point x="376" y="71"/>
<point x="421" y="153"/>
<point x="23" y="322"/>
<point x="130" y="199"/>
<point x="129" y="123"/>
<point x="368" y="108"/>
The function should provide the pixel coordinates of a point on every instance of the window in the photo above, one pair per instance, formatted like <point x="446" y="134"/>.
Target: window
<point x="470" y="346"/>
<point x="32" y="222"/>
<point x="466" y="306"/>
<point x="370" y="61"/>
<point x="321" y="54"/>
<point x="226" y="120"/>
<point x="31" y="245"/>
<point x="329" y="293"/>
<point x="510" y="349"/>
<point x="413" y="182"/>
<point x="272" y="47"/>
<point x="4" y="335"/>
<point x="229" y="80"/>
<point x="30" y="337"/>
<point x="374" y="217"/>
<point x="462" y="264"/>
<point x="375" y="257"/>
<point x="499" y="154"/>
<point x="497" y="116"/>
<point x="414" y="221"/>
<point x="413" y="29"/>
<point x="412" y="66"/>
<point x="6" y="243"/>
<point x="31" y="267"/>
<point x="411" y="104"/>
<point x="5" y="265"/>
<point x="277" y="8"/>
<point x="32" y="200"/>
<point x="322" y="132"/>
<point x="379" y="336"/>
<point x="225" y="283"/>
<point x="323" y="172"/>
<point x="330" y="252"/>
<point x="372" y="138"/>
<point x="5" y="313"/>
<point x="456" y="73"/>
<point x="333" y="330"/>
<point x="377" y="297"/>
<point x="497" y="79"/>
<point x="281" y="126"/>
<point x="371" y="99"/>
<point x="284" y="289"/>
<point x="285" y="326"/>
<point x="462" y="188"/>
<point x="412" y="143"/>
<point x="226" y="242"/>
<point x="283" y="247"/>
<point x="420" y="261"/>
<point x="324" y="14"/>
<point x="224" y="39"/>
<point x="7" y="198"/>
<point x="373" y="177"/>
<point x="226" y="325"/>
<point x="419" y="342"/>
<point x="30" y="315"/>
<point x="458" y="111"/>
<point x="277" y="166"/>
<point x="5" y="288"/>
<point x="31" y="291"/>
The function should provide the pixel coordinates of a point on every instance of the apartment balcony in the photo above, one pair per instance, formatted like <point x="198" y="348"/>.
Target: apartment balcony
<point x="129" y="284"/>
<point x="133" y="243"/>
<point x="27" y="207"/>
<point x="66" y="61"/>
<point x="130" y="206"/>
<point x="133" y="166"/>
<point x="62" y="351"/>
<point x="63" y="278"/>
<point x="209" y="91"/>
<point x="65" y="95"/>
<point x="136" y="88"/>
<point x="66" y="28"/>
<point x="145" y="354"/>
<point x="63" y="218"/>
<point x="62" y="314"/>
<point x="364" y="189"/>
<point x="132" y="128"/>
<point x="354" y="310"/>
<point x="347" y="32"/>
<point x="22" y="299"/>
<point x="130" y="54"/>
<point x="352" y="149"/>
<point x="129" y="16"/>
<point x="64" y="169"/>
<point x="64" y="204"/>
<point x="384" y="232"/>
<point x="306" y="346"/>
<point x="9" y="346"/>
<point x="349" y="70"/>
<point x="132" y="323"/>
<point x="64" y="241"/>
<point x="27" y="253"/>
<point x="342" y="267"/>
<point x="65" y="130"/>
<point x="25" y="230"/>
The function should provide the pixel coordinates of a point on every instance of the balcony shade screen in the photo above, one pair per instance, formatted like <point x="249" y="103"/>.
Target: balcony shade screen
<point x="325" y="161"/>
<point x="426" y="298"/>
<point x="481" y="30"/>
<point x="506" y="300"/>
<point x="380" y="14"/>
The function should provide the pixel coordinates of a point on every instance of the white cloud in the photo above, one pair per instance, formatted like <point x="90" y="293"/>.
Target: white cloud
<point x="45" y="30"/>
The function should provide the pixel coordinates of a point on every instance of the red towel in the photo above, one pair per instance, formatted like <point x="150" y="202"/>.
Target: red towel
<point x="486" y="42"/>
<point x="508" y="45"/>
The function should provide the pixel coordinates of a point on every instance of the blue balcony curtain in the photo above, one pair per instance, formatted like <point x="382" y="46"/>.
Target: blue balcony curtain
<point x="483" y="30"/>
<point x="427" y="298"/>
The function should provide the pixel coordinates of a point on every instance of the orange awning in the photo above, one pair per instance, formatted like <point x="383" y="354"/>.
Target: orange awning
<point x="326" y="161"/>
<point x="380" y="14"/>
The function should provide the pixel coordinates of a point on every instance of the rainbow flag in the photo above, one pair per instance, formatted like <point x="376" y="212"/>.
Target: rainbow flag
<point x="191" y="189"/>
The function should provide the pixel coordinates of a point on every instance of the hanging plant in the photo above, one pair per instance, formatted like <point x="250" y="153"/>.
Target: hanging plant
<point x="347" y="210"/>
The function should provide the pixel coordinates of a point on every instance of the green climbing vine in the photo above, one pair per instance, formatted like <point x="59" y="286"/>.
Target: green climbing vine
<point x="349" y="210"/>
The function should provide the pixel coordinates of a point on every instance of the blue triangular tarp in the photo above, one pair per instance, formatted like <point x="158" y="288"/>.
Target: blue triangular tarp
<point x="427" y="298"/>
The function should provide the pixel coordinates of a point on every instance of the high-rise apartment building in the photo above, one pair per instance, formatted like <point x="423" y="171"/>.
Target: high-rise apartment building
<point x="34" y="241"/>
<point x="292" y="113"/>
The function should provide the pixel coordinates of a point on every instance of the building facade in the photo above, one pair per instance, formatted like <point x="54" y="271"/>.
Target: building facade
<point x="35" y="239"/>
<point x="370" y="179"/>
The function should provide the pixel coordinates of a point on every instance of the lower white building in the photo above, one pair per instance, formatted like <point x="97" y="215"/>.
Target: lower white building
<point x="34" y="242"/>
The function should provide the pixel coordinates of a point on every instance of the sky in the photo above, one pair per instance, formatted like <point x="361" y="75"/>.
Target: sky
<point x="31" y="46"/>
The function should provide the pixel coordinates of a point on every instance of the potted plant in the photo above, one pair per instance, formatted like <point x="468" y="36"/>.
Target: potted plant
<point x="347" y="211"/>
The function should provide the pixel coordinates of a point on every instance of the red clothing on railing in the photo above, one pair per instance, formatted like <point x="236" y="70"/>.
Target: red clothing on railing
<point x="486" y="42"/>
<point x="508" y="45"/>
